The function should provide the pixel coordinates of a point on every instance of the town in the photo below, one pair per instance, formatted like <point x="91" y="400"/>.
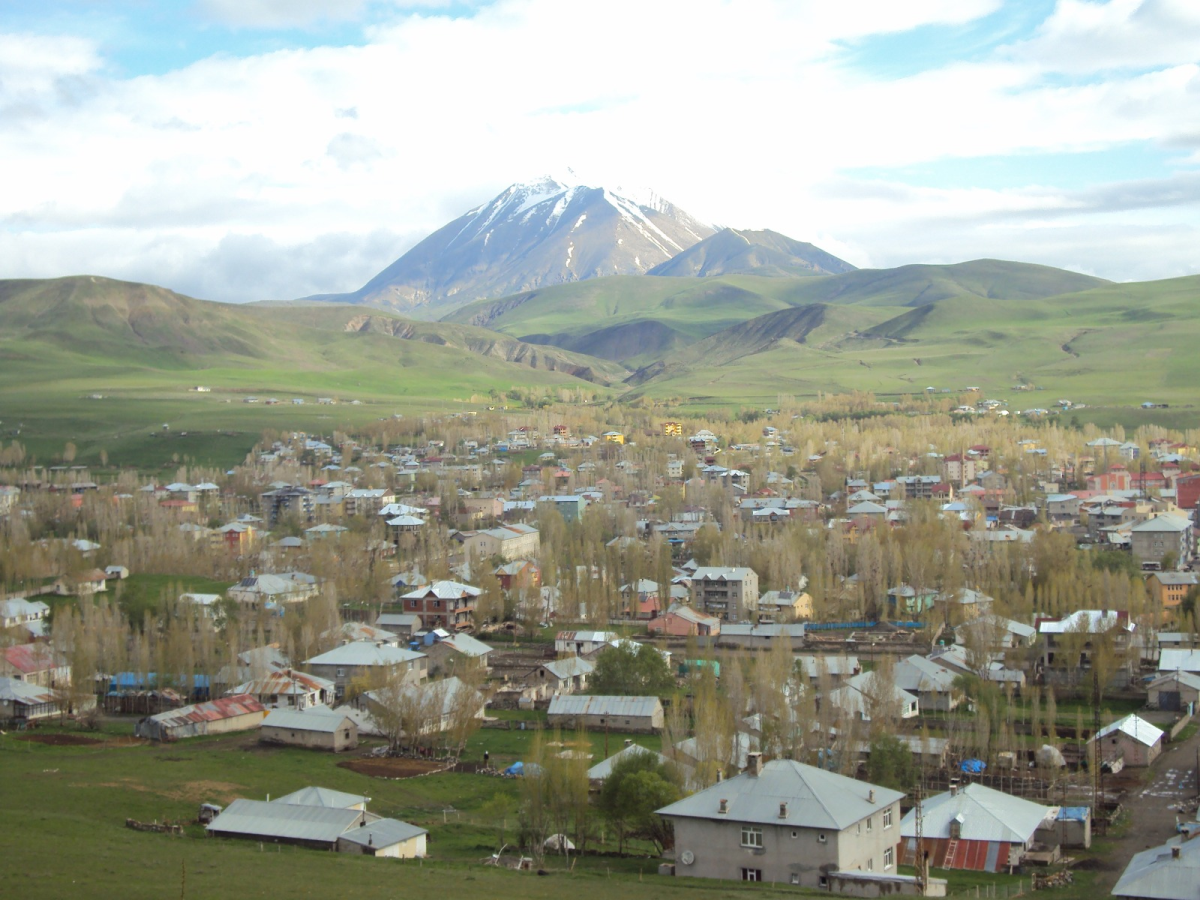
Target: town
<point x="860" y="654"/>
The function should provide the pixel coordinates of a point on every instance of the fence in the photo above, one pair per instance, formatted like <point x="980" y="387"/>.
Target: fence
<point x="1178" y="727"/>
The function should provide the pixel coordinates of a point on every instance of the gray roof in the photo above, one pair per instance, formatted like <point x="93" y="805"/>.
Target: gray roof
<point x="570" y="667"/>
<point x="574" y="705"/>
<point x="916" y="674"/>
<point x="319" y="796"/>
<point x="1155" y="873"/>
<point x="383" y="833"/>
<point x="1135" y="727"/>
<point x="317" y="718"/>
<point x="602" y="770"/>
<point x="985" y="815"/>
<point x="257" y="818"/>
<point x="815" y="798"/>
<point x="364" y="653"/>
<point x="791" y="629"/>
<point x="467" y="645"/>
<point x="1185" y="679"/>
<point x="835" y="666"/>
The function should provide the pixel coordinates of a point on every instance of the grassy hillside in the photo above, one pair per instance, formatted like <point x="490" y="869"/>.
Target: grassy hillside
<point x="581" y="316"/>
<point x="103" y="364"/>
<point x="1112" y="346"/>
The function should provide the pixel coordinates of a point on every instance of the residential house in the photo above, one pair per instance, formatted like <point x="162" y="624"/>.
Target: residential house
<point x="640" y="599"/>
<point x="287" y="688"/>
<point x="35" y="663"/>
<point x="444" y="604"/>
<point x="403" y="625"/>
<point x="604" y="768"/>
<point x="518" y="574"/>
<point x="1132" y="739"/>
<point x="974" y="827"/>
<point x="509" y="542"/>
<point x="932" y="684"/>
<point x="1174" y="691"/>
<point x="82" y="584"/>
<point x="727" y="592"/>
<point x="785" y="605"/>
<point x="445" y="697"/>
<point x="362" y="659"/>
<point x="281" y="589"/>
<point x="1169" y="871"/>
<point x="835" y="669"/>
<point x="1167" y="589"/>
<point x="582" y="643"/>
<point x="316" y="727"/>
<point x="760" y="637"/>
<point x="388" y="838"/>
<point x="683" y="621"/>
<point x="564" y="676"/>
<point x="22" y="702"/>
<point x="1070" y="643"/>
<point x="865" y="698"/>
<point x="789" y="823"/>
<point x="316" y="827"/>
<point x="622" y="714"/>
<point x="455" y="652"/>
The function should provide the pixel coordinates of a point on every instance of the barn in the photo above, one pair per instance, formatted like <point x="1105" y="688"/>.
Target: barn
<point x="973" y="827"/>
<point x="240" y="712"/>
<point x="319" y="728"/>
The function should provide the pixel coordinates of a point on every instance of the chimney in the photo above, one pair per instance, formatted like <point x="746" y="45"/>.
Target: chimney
<point x="783" y="810"/>
<point x="720" y="775"/>
<point x="755" y="763"/>
<point x="628" y="741"/>
<point x="1175" y="853"/>
<point x="954" y="790"/>
<point x="724" y="807"/>
<point x="871" y="795"/>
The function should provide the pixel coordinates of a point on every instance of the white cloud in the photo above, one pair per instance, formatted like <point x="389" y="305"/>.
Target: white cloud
<point x="279" y="13"/>
<point x="747" y="114"/>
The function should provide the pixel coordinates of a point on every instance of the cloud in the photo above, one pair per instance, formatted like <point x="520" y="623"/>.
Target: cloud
<point x="754" y="114"/>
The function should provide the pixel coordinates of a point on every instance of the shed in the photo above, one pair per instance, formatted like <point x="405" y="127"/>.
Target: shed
<point x="318" y="727"/>
<point x="284" y="823"/>
<point x="385" y="837"/>
<point x="240" y="712"/>
<point x="633" y="714"/>
<point x="1133" y="739"/>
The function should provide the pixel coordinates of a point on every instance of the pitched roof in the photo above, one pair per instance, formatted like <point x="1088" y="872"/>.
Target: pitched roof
<point x="815" y="798"/>
<point x="212" y="711"/>
<point x="569" y="667"/>
<point x="572" y="705"/>
<point x="984" y="814"/>
<point x="320" y="719"/>
<point x="444" y="590"/>
<point x="258" y="818"/>
<point x="603" y="769"/>
<point x="383" y="833"/>
<point x="1158" y="874"/>
<point x="319" y="796"/>
<point x="1135" y="727"/>
<point x="364" y="653"/>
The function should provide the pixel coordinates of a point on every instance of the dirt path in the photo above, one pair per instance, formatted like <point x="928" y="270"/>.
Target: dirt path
<point x="1152" y="806"/>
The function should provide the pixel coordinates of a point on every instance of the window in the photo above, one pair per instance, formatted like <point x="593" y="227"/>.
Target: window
<point x="795" y="878"/>
<point x="889" y="857"/>
<point x="870" y="865"/>
<point x="823" y="881"/>
<point x="795" y="834"/>
<point x="752" y="837"/>
<point x="751" y="874"/>
<point x="887" y="818"/>
<point x="822" y="837"/>
<point x="869" y="823"/>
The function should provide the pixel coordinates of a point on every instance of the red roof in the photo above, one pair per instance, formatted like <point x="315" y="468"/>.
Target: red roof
<point x="28" y="658"/>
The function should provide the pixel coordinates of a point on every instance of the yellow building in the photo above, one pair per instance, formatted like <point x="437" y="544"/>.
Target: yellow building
<point x="672" y="429"/>
<point x="614" y="437"/>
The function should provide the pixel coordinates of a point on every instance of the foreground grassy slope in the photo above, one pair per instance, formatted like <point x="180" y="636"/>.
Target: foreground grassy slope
<point x="1116" y="345"/>
<point x="139" y="349"/>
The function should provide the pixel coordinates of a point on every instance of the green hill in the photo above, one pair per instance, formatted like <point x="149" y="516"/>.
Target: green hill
<point x="97" y="362"/>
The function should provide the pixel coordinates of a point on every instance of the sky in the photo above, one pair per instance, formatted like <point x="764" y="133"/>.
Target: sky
<point x="242" y="150"/>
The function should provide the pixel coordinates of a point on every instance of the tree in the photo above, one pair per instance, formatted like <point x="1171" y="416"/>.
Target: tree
<point x="639" y="784"/>
<point x="631" y="670"/>
<point x="891" y="763"/>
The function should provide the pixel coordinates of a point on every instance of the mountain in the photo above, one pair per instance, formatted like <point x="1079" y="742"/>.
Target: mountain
<point x="530" y="236"/>
<point x="732" y="252"/>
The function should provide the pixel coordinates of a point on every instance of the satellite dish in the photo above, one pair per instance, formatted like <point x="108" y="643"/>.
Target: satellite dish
<point x="687" y="857"/>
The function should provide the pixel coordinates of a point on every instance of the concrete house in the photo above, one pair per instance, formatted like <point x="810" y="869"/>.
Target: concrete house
<point x="1131" y="739"/>
<point x="1169" y="871"/>
<point x="23" y="702"/>
<point x="286" y="688"/>
<point x="444" y="604"/>
<point x="318" y="727"/>
<point x="1069" y="643"/>
<point x="343" y="664"/>
<point x="865" y="697"/>
<point x="1169" y="588"/>
<point x="389" y="838"/>
<point x="564" y="676"/>
<point x="932" y="684"/>
<point x="974" y="827"/>
<point x="730" y="593"/>
<point x="317" y="827"/>
<point x="785" y="606"/>
<point x="789" y="823"/>
<point x="1153" y="539"/>
<point x="581" y="643"/>
<point x="1173" y="691"/>
<point x="629" y="714"/>
<point x="683" y="621"/>
<point x="509" y="542"/>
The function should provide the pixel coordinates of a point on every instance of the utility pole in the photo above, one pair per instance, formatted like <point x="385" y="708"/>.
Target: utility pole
<point x="920" y="863"/>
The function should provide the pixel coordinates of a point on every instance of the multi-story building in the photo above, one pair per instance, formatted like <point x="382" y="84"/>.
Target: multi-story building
<point x="728" y="592"/>
<point x="443" y="604"/>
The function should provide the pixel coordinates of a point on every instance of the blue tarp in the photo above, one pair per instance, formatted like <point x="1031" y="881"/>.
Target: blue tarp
<point x="973" y="766"/>
<point x="519" y="768"/>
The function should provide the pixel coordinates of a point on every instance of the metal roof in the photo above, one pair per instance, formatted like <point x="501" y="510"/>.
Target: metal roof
<point x="1157" y="873"/>
<point x="18" y="691"/>
<point x="571" y="705"/>
<point x="984" y="814"/>
<point x="319" y="796"/>
<point x="815" y="798"/>
<point x="383" y="833"/>
<point x="1135" y="727"/>
<point x="602" y="770"/>
<point x="364" y="653"/>
<point x="569" y="667"/>
<point x="318" y="718"/>
<point x="212" y="711"/>
<point x="257" y="818"/>
<point x="915" y="674"/>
